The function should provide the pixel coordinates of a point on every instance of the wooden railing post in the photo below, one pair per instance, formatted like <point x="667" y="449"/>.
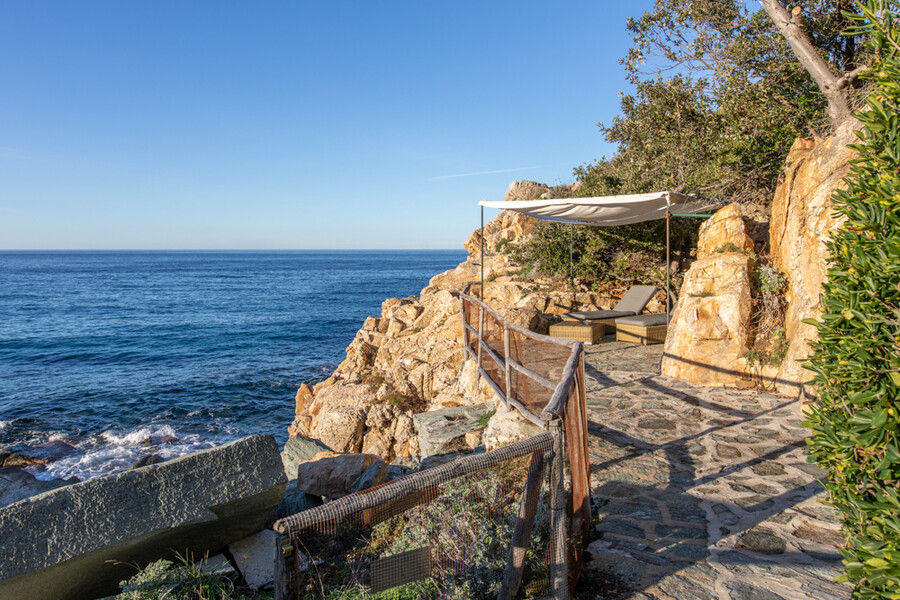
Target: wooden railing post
<point x="515" y="565"/>
<point x="507" y="367"/>
<point x="480" y="332"/>
<point x="465" y="321"/>
<point x="286" y="571"/>
<point x="559" y="583"/>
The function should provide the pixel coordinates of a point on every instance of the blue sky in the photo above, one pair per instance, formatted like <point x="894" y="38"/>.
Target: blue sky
<point x="215" y="125"/>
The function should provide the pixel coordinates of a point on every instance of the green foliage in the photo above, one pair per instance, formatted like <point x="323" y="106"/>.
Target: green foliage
<point x="732" y="247"/>
<point x="779" y="346"/>
<point x="628" y="253"/>
<point x="484" y="419"/>
<point x="719" y="99"/>
<point x="501" y="246"/>
<point x="856" y="419"/>
<point x="768" y="280"/>
<point x="423" y="590"/>
<point x="181" y="581"/>
<point x="469" y="525"/>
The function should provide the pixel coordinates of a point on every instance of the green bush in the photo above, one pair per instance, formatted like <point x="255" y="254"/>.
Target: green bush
<point x="182" y="581"/>
<point x="768" y="280"/>
<point x="627" y="253"/>
<point x="856" y="361"/>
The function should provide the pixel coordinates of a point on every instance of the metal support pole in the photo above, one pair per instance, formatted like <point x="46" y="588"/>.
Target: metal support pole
<point x="668" y="269"/>
<point x="571" y="263"/>
<point x="483" y="298"/>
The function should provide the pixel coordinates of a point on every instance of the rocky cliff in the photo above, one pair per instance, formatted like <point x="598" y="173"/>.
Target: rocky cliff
<point x="410" y="359"/>
<point x="802" y="221"/>
<point x="709" y="337"/>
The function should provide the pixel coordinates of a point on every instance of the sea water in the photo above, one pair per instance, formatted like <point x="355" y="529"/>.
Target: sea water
<point x="108" y="356"/>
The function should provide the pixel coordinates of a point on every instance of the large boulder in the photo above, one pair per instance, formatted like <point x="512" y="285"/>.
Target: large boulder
<point x="802" y="221"/>
<point x="81" y="540"/>
<point x="341" y="427"/>
<point x="334" y="475"/>
<point x="725" y="231"/>
<point x="299" y="449"/>
<point x="16" y="485"/>
<point x="506" y="426"/>
<point x="444" y="431"/>
<point x="709" y="330"/>
<point x="508" y="225"/>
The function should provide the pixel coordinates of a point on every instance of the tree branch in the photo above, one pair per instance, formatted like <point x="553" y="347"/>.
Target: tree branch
<point x="834" y="88"/>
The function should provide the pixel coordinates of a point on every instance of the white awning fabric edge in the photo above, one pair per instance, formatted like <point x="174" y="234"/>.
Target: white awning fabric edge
<point x="608" y="211"/>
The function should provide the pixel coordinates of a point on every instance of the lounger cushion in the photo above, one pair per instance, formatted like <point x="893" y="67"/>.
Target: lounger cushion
<point x="636" y="299"/>
<point x="596" y="315"/>
<point x="643" y="320"/>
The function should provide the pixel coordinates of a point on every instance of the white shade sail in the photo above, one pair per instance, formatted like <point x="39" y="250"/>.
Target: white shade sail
<point x="609" y="211"/>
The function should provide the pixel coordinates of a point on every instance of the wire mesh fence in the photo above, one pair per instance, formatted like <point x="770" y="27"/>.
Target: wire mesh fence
<point x="510" y="523"/>
<point x="447" y="532"/>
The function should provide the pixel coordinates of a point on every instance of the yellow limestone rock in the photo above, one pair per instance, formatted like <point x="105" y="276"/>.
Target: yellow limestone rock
<point x="507" y="225"/>
<point x="410" y="358"/>
<point x="802" y="221"/>
<point x="725" y="230"/>
<point x="708" y="333"/>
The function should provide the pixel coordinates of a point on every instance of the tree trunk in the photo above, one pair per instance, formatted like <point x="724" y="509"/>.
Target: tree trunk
<point x="835" y="89"/>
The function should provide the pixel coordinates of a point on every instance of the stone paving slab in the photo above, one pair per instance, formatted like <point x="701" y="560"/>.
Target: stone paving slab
<point x="703" y="493"/>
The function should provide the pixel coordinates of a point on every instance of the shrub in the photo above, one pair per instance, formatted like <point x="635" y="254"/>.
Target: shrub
<point x="484" y="419"/>
<point x="182" y="581"/>
<point x="856" y="418"/>
<point x="729" y="247"/>
<point x="627" y="253"/>
<point x="768" y="280"/>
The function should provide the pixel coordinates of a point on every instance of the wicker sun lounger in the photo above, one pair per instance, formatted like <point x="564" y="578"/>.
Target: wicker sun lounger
<point x="578" y="331"/>
<point x="632" y="303"/>
<point x="646" y="329"/>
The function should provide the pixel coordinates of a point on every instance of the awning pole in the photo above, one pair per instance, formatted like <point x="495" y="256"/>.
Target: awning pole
<point x="482" y="255"/>
<point x="571" y="265"/>
<point x="668" y="269"/>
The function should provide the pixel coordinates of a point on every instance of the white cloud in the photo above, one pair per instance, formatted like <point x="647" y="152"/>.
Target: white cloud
<point x="485" y="173"/>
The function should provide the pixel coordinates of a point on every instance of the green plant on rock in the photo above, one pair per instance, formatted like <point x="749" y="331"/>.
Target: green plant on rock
<point x="768" y="280"/>
<point x="484" y="419"/>
<point x="856" y="361"/>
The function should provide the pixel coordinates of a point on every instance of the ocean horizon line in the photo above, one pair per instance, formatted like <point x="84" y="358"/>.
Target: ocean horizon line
<point x="215" y="250"/>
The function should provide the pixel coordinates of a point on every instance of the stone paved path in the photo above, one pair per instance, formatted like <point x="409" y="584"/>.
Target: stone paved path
<point x="703" y="493"/>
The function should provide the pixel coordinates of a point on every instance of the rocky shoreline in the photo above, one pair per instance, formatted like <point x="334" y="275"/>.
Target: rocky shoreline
<point x="407" y="397"/>
<point x="410" y="361"/>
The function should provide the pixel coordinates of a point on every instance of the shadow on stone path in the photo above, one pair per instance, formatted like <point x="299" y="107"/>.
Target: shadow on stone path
<point x="703" y="493"/>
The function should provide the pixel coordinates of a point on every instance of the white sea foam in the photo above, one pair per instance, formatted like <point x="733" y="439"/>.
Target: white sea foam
<point x="111" y="451"/>
<point x="139" y="437"/>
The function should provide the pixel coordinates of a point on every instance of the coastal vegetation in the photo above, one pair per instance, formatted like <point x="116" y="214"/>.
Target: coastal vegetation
<point x="720" y="96"/>
<point x="184" y="580"/>
<point x="856" y="418"/>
